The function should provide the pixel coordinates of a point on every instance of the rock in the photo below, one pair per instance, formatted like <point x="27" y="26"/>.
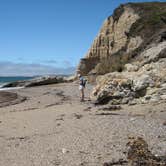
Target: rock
<point x="125" y="101"/>
<point x="139" y="154"/>
<point x="151" y="91"/>
<point x="118" y="94"/>
<point x="134" y="43"/>
<point x="70" y="78"/>
<point x="38" y="81"/>
<point x="154" y="53"/>
<point x="126" y="86"/>
<point x="132" y="102"/>
<point x="163" y="97"/>
<point x="132" y="119"/>
<point x="119" y="162"/>
<point x="147" y="97"/>
<point x="103" y="97"/>
<point x="115" y="102"/>
<point x="131" y="68"/>
<point x="110" y="108"/>
<point x="64" y="150"/>
<point x="155" y="98"/>
<point x="111" y="89"/>
<point x="162" y="91"/>
<point x="163" y="86"/>
<point x="142" y="82"/>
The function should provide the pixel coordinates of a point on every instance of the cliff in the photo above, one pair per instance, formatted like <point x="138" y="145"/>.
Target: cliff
<point x="132" y="28"/>
<point x="128" y="56"/>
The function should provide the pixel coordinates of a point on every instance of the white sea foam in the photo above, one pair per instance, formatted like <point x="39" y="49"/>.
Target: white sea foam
<point x="13" y="88"/>
<point x="2" y="84"/>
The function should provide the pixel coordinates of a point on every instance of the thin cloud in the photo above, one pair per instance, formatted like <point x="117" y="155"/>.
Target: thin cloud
<point x="49" y="61"/>
<point x="22" y="69"/>
<point x="67" y="63"/>
<point x="20" y="59"/>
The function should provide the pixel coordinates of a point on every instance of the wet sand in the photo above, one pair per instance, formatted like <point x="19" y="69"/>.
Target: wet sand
<point x="53" y="128"/>
<point x="10" y="98"/>
<point x="7" y="96"/>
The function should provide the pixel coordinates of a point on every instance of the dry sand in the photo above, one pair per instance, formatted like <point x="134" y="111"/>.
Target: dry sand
<point x="52" y="128"/>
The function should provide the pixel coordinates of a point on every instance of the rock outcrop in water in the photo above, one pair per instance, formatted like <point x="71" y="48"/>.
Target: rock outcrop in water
<point x="38" y="81"/>
<point x="128" y="56"/>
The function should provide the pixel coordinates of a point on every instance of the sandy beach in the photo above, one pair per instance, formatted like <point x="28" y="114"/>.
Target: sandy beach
<point x="51" y="127"/>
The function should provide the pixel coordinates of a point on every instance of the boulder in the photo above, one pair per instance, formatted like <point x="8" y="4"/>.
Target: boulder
<point x="131" y="68"/>
<point x="123" y="88"/>
<point x="142" y="82"/>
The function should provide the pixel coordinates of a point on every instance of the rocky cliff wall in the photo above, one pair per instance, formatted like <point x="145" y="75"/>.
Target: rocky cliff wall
<point x="128" y="56"/>
<point x="131" y="29"/>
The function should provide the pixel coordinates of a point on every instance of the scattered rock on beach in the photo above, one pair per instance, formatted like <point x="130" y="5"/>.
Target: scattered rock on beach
<point x="119" y="162"/>
<point x="87" y="109"/>
<point x="110" y="108"/>
<point x="138" y="154"/>
<point x="164" y="123"/>
<point x="78" y="116"/>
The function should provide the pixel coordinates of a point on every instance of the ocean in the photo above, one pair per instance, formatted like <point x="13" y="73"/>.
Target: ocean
<point x="4" y="80"/>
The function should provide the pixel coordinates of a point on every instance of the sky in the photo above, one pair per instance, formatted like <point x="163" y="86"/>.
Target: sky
<point x="39" y="37"/>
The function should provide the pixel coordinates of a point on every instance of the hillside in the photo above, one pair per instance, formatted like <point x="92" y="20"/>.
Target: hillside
<point x="132" y="28"/>
<point x="128" y="56"/>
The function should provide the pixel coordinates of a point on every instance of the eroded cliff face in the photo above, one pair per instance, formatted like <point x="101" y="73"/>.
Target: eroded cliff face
<point x="122" y="37"/>
<point x="111" y="38"/>
<point x="128" y="56"/>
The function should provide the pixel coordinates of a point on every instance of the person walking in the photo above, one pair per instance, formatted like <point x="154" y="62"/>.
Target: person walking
<point x="82" y="83"/>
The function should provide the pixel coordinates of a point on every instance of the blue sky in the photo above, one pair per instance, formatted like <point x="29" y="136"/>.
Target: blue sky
<point x="49" y="36"/>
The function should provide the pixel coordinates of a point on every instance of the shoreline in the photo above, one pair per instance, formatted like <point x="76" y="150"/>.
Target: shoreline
<point x="9" y="89"/>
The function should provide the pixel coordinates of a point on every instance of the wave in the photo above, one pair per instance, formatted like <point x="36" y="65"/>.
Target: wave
<point x="13" y="88"/>
<point x="2" y="84"/>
